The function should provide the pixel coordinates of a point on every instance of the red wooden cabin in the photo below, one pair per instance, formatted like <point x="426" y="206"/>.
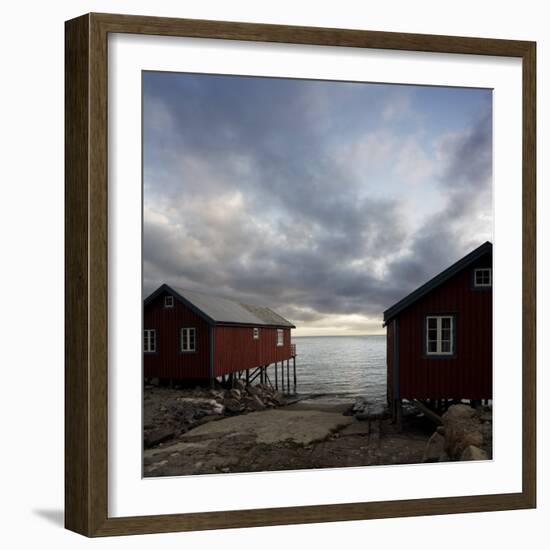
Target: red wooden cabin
<point x="440" y="337"/>
<point x="192" y="335"/>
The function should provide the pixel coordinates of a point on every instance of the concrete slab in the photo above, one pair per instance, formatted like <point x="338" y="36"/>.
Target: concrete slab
<point x="275" y="426"/>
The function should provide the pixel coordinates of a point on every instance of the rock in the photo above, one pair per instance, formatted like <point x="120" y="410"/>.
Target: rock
<point x="235" y="394"/>
<point x="486" y="416"/>
<point x="435" y="448"/>
<point x="255" y="403"/>
<point x="364" y="415"/>
<point x="239" y="385"/>
<point x="218" y="409"/>
<point x="473" y="453"/>
<point x="217" y="395"/>
<point x="253" y="390"/>
<point x="349" y="411"/>
<point x="462" y="429"/>
<point x="155" y="437"/>
<point x="359" y="405"/>
<point x="278" y="398"/>
<point x="232" y="406"/>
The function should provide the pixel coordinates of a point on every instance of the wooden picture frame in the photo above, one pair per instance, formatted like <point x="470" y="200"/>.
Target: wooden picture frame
<point x="86" y="222"/>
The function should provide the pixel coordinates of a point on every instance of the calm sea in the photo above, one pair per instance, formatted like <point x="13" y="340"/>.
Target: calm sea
<point x="342" y="367"/>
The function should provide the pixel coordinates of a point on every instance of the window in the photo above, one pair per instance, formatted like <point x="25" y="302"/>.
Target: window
<point x="440" y="335"/>
<point x="256" y="333"/>
<point x="188" y="339"/>
<point x="482" y="277"/>
<point x="149" y="340"/>
<point x="168" y="301"/>
<point x="280" y="337"/>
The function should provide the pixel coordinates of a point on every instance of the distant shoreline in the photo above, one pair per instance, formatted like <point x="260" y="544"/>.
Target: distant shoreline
<point x="294" y="336"/>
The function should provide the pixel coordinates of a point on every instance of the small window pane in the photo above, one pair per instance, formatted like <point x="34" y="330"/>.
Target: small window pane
<point x="446" y="347"/>
<point x="432" y="347"/>
<point x="446" y="322"/>
<point x="432" y="322"/>
<point x="483" y="277"/>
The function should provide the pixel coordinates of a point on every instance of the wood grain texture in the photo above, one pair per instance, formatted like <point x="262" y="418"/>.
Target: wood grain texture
<point x="77" y="388"/>
<point x="86" y="217"/>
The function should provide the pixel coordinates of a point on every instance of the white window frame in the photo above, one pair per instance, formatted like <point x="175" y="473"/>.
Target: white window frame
<point x="280" y="337"/>
<point x="483" y="285"/>
<point x="168" y="301"/>
<point x="256" y="333"/>
<point x="439" y="340"/>
<point x="147" y="340"/>
<point x="187" y="339"/>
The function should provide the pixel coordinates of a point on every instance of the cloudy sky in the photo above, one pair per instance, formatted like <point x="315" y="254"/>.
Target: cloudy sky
<point x="327" y="201"/>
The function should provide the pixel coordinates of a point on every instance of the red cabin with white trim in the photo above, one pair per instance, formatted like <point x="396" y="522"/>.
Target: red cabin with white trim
<point x="440" y="337"/>
<point x="192" y="335"/>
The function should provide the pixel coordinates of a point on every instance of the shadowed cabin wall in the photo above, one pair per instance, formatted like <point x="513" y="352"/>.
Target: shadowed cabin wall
<point x="467" y="375"/>
<point x="389" y="359"/>
<point x="168" y="361"/>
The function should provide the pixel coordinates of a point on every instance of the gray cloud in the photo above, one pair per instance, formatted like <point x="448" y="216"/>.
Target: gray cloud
<point x="254" y="189"/>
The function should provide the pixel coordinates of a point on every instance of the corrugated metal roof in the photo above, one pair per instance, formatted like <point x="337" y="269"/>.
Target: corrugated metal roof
<point x="223" y="310"/>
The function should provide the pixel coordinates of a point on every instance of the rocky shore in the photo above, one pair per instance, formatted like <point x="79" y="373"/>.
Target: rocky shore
<point x="466" y="434"/>
<point x="256" y="429"/>
<point x="170" y="413"/>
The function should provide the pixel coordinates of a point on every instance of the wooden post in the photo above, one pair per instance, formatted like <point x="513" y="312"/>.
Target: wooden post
<point x="247" y="377"/>
<point x="276" y="377"/>
<point x="282" y="377"/>
<point x="294" y="370"/>
<point x="399" y="415"/>
<point x="288" y="375"/>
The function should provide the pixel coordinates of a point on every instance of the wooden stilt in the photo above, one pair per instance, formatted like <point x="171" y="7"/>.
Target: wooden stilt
<point x="294" y="371"/>
<point x="282" y="377"/>
<point x="288" y="375"/>
<point x="247" y="377"/>
<point x="276" y="377"/>
<point x="399" y="415"/>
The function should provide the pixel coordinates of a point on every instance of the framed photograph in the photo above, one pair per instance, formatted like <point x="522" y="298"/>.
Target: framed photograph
<point x="300" y="275"/>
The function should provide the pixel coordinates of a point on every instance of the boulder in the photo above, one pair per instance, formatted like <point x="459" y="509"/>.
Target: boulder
<point x="239" y="385"/>
<point x="435" y="448"/>
<point x="473" y="453"/>
<point x="255" y="403"/>
<point x="232" y="405"/>
<point x="359" y="405"/>
<point x="462" y="429"/>
<point x="235" y="394"/>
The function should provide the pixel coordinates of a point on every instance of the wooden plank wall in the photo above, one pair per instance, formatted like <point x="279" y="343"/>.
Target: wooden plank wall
<point x="469" y="374"/>
<point x="235" y="349"/>
<point x="168" y="361"/>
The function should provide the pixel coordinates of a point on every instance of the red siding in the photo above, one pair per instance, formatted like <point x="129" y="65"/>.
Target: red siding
<point x="235" y="348"/>
<point x="468" y="375"/>
<point x="168" y="361"/>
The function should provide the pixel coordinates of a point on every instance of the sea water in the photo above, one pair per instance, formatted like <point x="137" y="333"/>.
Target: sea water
<point x="342" y="368"/>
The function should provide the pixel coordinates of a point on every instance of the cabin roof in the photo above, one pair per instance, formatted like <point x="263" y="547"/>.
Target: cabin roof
<point x="438" y="280"/>
<point x="218" y="310"/>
